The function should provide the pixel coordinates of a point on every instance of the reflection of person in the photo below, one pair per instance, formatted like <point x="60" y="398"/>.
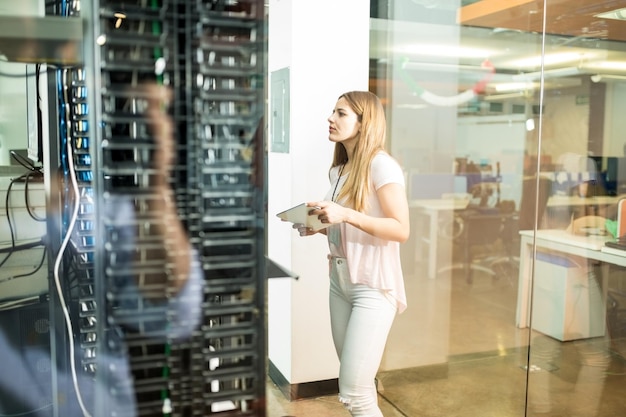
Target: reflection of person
<point x="576" y="176"/>
<point x="367" y="210"/>
<point x="176" y="246"/>
<point x="172" y="299"/>
<point x="584" y="181"/>
<point x="549" y="393"/>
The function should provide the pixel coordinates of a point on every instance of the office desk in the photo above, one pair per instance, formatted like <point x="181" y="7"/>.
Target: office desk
<point x="573" y="201"/>
<point x="589" y="247"/>
<point x="560" y="208"/>
<point x="432" y="209"/>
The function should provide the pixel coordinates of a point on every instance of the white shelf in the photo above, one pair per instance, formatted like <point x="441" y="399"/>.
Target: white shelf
<point x="51" y="39"/>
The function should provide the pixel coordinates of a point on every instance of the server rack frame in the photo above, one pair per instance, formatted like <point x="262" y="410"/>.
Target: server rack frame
<point x="242" y="382"/>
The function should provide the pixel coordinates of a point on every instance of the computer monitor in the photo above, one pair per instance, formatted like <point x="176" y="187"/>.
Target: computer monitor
<point x="34" y="101"/>
<point x="621" y="176"/>
<point x="430" y="185"/>
<point x="615" y="175"/>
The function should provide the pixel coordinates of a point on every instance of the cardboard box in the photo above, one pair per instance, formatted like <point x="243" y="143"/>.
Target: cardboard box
<point x="567" y="302"/>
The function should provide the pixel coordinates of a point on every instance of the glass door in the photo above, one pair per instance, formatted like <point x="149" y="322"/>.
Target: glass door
<point x="505" y="117"/>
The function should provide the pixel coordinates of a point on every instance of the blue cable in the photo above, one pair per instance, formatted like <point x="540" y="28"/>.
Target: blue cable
<point x="63" y="140"/>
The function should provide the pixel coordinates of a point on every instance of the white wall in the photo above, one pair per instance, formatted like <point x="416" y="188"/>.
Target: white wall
<point x="13" y="120"/>
<point x="325" y="44"/>
<point x="496" y="139"/>
<point x="614" y="123"/>
<point x="13" y="99"/>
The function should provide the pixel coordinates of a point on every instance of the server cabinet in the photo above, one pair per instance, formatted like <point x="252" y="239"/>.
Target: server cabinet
<point x="211" y="56"/>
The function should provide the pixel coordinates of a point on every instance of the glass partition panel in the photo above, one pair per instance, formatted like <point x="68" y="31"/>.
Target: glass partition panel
<point x="576" y="298"/>
<point x="504" y="117"/>
<point x="463" y="96"/>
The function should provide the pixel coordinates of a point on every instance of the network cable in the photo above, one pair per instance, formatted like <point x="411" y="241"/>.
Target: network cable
<point x="34" y="173"/>
<point x="57" y="263"/>
<point x="7" y="205"/>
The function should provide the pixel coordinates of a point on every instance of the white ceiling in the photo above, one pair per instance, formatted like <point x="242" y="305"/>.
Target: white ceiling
<point x="435" y="50"/>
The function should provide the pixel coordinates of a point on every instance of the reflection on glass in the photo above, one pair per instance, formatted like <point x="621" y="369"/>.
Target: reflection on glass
<point x="512" y="146"/>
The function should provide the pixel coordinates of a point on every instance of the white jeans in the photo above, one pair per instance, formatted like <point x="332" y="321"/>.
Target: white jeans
<point x="360" y="321"/>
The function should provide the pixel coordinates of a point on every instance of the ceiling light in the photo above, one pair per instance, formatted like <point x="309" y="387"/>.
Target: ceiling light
<point x="559" y="72"/>
<point x="498" y="97"/>
<point x="445" y="51"/>
<point x="548" y="60"/>
<point x="516" y="86"/>
<point x="434" y="66"/>
<point x="412" y="106"/>
<point x="619" y="14"/>
<point x="596" y="78"/>
<point x="607" y="65"/>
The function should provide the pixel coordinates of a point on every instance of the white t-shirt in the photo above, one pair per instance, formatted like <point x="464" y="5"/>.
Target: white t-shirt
<point x="371" y="261"/>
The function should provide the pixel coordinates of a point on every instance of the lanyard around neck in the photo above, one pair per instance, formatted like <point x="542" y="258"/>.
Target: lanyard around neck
<point x="337" y="183"/>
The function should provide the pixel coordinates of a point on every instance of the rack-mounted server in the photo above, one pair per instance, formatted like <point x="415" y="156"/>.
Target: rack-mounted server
<point x="212" y="56"/>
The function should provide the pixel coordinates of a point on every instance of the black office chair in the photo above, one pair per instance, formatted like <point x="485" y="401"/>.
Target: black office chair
<point x="484" y="245"/>
<point x="488" y="239"/>
<point x="477" y="237"/>
<point x="535" y="195"/>
<point x="532" y="209"/>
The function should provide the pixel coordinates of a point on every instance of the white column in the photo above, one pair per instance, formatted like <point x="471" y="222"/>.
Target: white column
<point x="325" y="46"/>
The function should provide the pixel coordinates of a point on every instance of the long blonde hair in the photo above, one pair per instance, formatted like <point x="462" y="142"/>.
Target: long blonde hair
<point x="370" y="140"/>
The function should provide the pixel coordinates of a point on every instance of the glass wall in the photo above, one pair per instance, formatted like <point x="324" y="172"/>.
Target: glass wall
<point x="506" y="116"/>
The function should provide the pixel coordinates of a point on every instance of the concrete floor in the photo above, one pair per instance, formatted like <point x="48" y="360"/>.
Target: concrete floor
<point x="457" y="352"/>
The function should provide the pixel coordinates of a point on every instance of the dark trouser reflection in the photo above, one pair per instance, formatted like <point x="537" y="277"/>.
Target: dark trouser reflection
<point x="567" y="378"/>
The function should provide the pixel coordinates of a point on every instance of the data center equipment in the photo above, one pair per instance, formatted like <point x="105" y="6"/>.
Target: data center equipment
<point x="24" y="275"/>
<point x="100" y="146"/>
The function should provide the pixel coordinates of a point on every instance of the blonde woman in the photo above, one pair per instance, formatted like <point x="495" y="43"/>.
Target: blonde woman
<point x="367" y="210"/>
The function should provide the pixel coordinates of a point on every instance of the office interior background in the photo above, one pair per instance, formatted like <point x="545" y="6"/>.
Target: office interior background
<point x="506" y="118"/>
<point x="505" y="115"/>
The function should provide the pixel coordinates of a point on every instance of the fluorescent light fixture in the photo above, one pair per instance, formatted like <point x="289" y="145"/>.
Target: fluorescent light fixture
<point x="558" y="72"/>
<point x="607" y="65"/>
<point x="448" y="51"/>
<point x="596" y="78"/>
<point x="412" y="106"/>
<point x="434" y="66"/>
<point x="549" y="60"/>
<point x="496" y="97"/>
<point x="619" y="14"/>
<point x="515" y="86"/>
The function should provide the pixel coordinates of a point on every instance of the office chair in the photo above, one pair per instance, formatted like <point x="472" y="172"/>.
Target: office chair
<point x="477" y="234"/>
<point x="532" y="208"/>
<point x="483" y="242"/>
<point x="495" y="230"/>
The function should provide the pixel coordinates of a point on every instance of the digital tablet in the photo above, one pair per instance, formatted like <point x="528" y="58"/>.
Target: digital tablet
<point x="300" y="214"/>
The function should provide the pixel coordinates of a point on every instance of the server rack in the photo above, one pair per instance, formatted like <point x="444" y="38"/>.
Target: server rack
<point x="211" y="54"/>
